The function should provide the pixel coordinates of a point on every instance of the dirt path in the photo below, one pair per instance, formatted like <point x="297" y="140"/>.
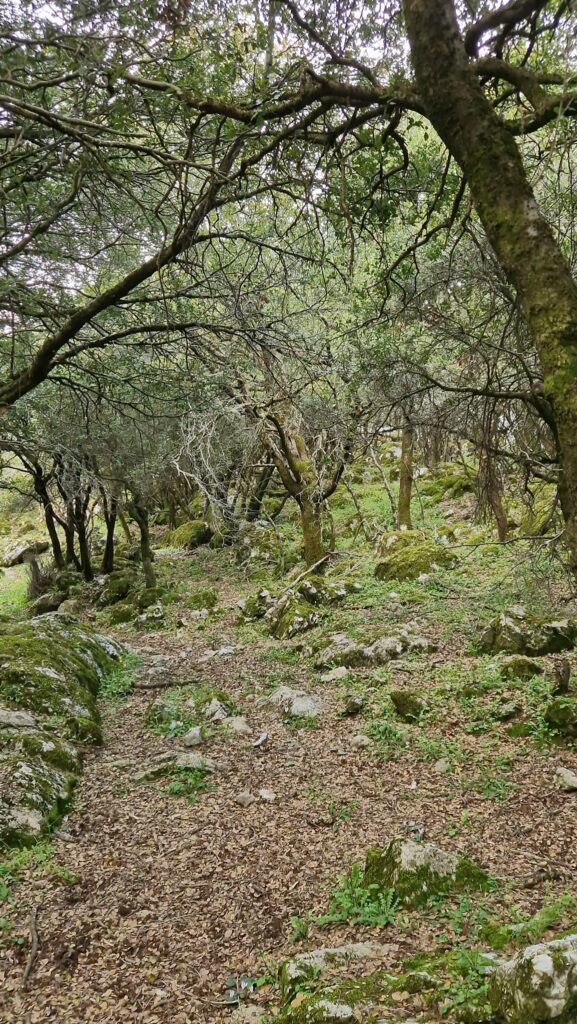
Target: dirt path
<point x="172" y="898"/>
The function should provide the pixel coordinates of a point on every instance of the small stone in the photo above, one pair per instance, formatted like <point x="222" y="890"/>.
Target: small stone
<point x="336" y="673"/>
<point x="245" y="798"/>
<point x="442" y="766"/>
<point x="296" y="703"/>
<point x="359" y="742"/>
<point x="566" y="780"/>
<point x="194" y="737"/>
<point x="238" y="725"/>
<point x="507" y="711"/>
<point x="215" y="711"/>
<point x="190" y="759"/>
<point x="268" y="795"/>
<point x="354" y="705"/>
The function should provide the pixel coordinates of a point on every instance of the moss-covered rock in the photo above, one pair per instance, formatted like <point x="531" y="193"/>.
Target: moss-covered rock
<point x="408" y="705"/>
<point x="516" y="632"/>
<point x="344" y="651"/>
<point x="561" y="715"/>
<point x="539" y="984"/>
<point x="258" y="543"/>
<point x="318" y="591"/>
<point x="116" y="587"/>
<point x="50" y="671"/>
<point x="417" y="871"/>
<point x="519" y="666"/>
<point x="396" y="540"/>
<point x="122" y="612"/>
<point x="257" y="605"/>
<point x="290" y="616"/>
<point x="190" y="535"/>
<point x="49" y="602"/>
<point x="448" y="481"/>
<point x="411" y="561"/>
<point x="205" y="598"/>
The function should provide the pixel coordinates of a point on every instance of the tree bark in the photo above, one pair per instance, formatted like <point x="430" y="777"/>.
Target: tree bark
<point x="406" y="477"/>
<point x="312" y="530"/>
<point x="41" y="488"/>
<point x="139" y="513"/>
<point x="110" y="510"/>
<point x="519" y="233"/>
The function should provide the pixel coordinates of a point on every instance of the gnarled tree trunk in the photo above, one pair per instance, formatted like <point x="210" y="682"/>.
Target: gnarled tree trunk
<point x="522" y="239"/>
<point x="406" y="476"/>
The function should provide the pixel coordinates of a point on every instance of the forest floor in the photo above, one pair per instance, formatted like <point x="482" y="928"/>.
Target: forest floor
<point x="147" y="904"/>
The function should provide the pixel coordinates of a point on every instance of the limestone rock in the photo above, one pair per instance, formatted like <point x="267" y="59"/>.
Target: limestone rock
<point x="289" y="616"/>
<point x="190" y="759"/>
<point x="335" y="673"/>
<point x="354" y="705"/>
<point x="539" y="984"/>
<point x="296" y="703"/>
<point x="194" y="737"/>
<point x="519" y="666"/>
<point x="345" y="652"/>
<point x="415" y="871"/>
<point x="256" y="606"/>
<point x="215" y="711"/>
<point x="561" y="715"/>
<point x="309" y="965"/>
<point x="566" y="780"/>
<point x="190" y="535"/>
<point x="409" y="562"/>
<point x="50" y="671"/>
<point x="238" y="725"/>
<point x="360" y="742"/>
<point x="515" y="632"/>
<point x="23" y="551"/>
<point x="317" y="591"/>
<point x="46" y="603"/>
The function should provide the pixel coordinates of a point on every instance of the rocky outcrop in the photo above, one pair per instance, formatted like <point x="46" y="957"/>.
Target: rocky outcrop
<point x="416" y="871"/>
<point x="539" y="984"/>
<point x="50" y="671"/>
<point x="344" y="651"/>
<point x="23" y="551"/>
<point x="516" y="632"/>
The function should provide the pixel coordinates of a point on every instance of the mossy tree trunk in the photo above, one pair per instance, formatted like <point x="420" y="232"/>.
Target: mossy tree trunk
<point x="523" y="241"/>
<point x="406" y="476"/>
<point x="312" y="530"/>
<point x="80" y="526"/>
<point x="41" y="490"/>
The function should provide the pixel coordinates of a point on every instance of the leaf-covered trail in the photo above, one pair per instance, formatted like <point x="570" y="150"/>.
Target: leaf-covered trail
<point x="171" y="898"/>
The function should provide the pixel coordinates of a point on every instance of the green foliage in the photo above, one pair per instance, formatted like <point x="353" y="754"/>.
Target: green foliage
<point x="188" y="782"/>
<point x="118" y="683"/>
<point x="351" y="901"/>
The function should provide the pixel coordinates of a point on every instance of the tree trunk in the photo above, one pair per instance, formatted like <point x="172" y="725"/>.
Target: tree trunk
<point x="256" y="498"/>
<point x="517" y="230"/>
<point x="80" y="507"/>
<point x="41" y="488"/>
<point x="110" y="514"/>
<point x="406" y="477"/>
<point x="70" y="556"/>
<point x="311" y="525"/>
<point x="139" y="513"/>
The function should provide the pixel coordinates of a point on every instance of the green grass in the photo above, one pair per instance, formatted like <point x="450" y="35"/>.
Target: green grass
<point x="188" y="782"/>
<point x="118" y="683"/>
<point x="353" y="902"/>
<point x="13" y="589"/>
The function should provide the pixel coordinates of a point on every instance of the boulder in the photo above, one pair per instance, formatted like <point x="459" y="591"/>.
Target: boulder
<point x="345" y="652"/>
<point x="515" y="632"/>
<point x="409" y="707"/>
<point x="296" y="703"/>
<point x="561" y="716"/>
<point x="23" y="552"/>
<point x="539" y="984"/>
<point x="408" y="562"/>
<point x="50" y="671"/>
<point x="46" y="603"/>
<point x="116" y="587"/>
<point x="566" y="780"/>
<point x="256" y="606"/>
<point x="289" y="616"/>
<point x="519" y="666"/>
<point x="205" y="598"/>
<point x="190" y="535"/>
<point x="257" y="542"/>
<point x="416" y="871"/>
